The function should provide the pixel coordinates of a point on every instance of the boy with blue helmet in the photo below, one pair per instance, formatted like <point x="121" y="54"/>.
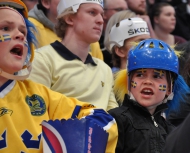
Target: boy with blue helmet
<point x="154" y="86"/>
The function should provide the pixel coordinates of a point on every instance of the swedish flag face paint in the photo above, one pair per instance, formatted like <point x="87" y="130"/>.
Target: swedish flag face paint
<point x="5" y="37"/>
<point x="133" y="84"/>
<point x="162" y="87"/>
<point x="26" y="43"/>
<point x="160" y="73"/>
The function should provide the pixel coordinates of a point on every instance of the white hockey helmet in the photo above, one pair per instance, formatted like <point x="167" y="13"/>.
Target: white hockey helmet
<point x="64" y="4"/>
<point x="125" y="29"/>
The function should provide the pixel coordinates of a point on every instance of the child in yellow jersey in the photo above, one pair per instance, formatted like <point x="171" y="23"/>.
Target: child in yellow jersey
<point x="25" y="104"/>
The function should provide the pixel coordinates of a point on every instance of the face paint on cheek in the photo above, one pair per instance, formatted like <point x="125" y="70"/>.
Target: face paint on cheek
<point x="162" y="87"/>
<point x="26" y="43"/>
<point x="160" y="73"/>
<point x="5" y="37"/>
<point x="133" y="84"/>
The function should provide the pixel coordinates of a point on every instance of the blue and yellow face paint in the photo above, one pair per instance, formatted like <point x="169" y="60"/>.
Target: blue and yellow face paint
<point x="26" y="43"/>
<point x="5" y="37"/>
<point x="133" y="84"/>
<point x="162" y="87"/>
<point x="160" y="73"/>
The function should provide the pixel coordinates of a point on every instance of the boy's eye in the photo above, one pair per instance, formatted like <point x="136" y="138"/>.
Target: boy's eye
<point x="5" y="28"/>
<point x="139" y="75"/>
<point x="24" y="33"/>
<point x="157" y="76"/>
<point x="92" y="12"/>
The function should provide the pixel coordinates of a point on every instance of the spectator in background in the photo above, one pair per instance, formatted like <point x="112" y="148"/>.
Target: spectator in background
<point x="110" y="7"/>
<point x="118" y="37"/>
<point x="66" y="66"/>
<point x="178" y="140"/>
<point x="176" y="118"/>
<point x="30" y="3"/>
<point x="43" y="16"/>
<point x="164" y="21"/>
<point x="182" y="20"/>
<point x="137" y="6"/>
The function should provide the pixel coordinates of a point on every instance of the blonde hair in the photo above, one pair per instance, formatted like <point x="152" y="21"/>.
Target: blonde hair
<point x="117" y="17"/>
<point x="61" y="26"/>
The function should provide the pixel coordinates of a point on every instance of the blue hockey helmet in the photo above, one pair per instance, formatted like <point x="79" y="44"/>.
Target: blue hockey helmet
<point x="153" y="53"/>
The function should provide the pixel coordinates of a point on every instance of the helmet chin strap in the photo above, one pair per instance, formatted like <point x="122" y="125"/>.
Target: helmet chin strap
<point x="22" y="74"/>
<point x="170" y="97"/>
<point x="131" y="96"/>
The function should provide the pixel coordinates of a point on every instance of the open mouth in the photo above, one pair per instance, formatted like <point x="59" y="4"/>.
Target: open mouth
<point x="147" y="91"/>
<point x="17" y="51"/>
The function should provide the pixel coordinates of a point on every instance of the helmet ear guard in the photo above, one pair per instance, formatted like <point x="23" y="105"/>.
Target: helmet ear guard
<point x="65" y="4"/>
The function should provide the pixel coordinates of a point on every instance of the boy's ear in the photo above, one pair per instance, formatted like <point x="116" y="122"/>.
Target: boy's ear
<point x="46" y="3"/>
<point x="168" y="91"/>
<point x="120" y="51"/>
<point x="155" y="19"/>
<point x="69" y="19"/>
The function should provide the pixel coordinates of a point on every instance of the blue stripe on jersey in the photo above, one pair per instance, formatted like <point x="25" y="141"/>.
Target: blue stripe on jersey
<point x="100" y="117"/>
<point x="5" y="85"/>
<point x="76" y="111"/>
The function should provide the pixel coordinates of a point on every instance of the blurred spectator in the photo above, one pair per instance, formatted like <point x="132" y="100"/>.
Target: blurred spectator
<point x="110" y="7"/>
<point x="30" y="3"/>
<point x="66" y="66"/>
<point x="120" y="35"/>
<point x="43" y="16"/>
<point x="184" y="69"/>
<point x="137" y="6"/>
<point x="178" y="140"/>
<point x="164" y="21"/>
<point x="117" y="17"/>
<point x="183" y="17"/>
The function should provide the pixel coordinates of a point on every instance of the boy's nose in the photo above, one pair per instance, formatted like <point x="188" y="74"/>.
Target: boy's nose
<point x="148" y="82"/>
<point x="100" y="19"/>
<point x="19" y="35"/>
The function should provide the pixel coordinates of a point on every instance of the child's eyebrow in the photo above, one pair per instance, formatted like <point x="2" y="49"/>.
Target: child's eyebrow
<point x="6" y="21"/>
<point x="10" y="22"/>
